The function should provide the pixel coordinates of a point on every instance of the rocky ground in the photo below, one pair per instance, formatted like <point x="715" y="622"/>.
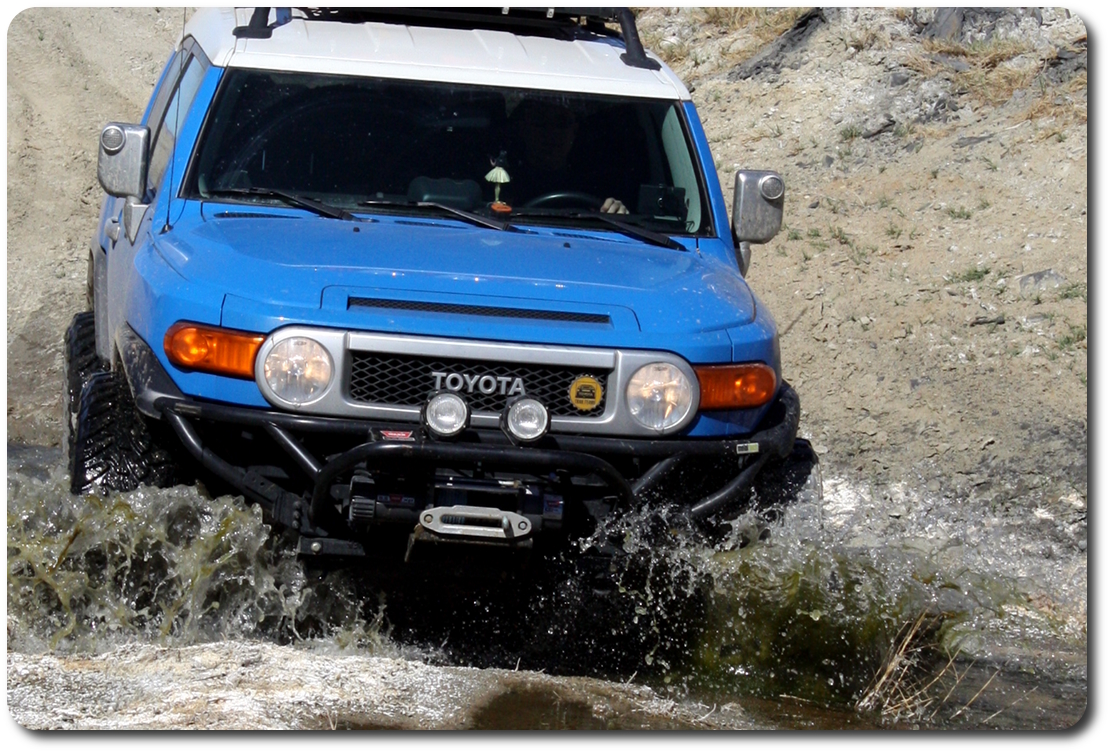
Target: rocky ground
<point x="930" y="283"/>
<point x="237" y="685"/>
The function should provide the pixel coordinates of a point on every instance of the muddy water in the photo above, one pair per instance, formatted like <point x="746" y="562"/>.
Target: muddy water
<point x="872" y="609"/>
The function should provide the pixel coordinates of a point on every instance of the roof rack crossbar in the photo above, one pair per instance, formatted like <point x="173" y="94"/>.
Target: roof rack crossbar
<point x="553" y="20"/>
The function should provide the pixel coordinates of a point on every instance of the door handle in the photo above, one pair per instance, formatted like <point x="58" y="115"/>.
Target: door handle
<point x="112" y="231"/>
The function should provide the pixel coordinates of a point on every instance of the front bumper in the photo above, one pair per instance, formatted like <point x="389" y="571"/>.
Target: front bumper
<point x="624" y="471"/>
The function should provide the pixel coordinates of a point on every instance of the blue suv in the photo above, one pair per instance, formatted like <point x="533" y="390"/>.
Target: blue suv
<point x="427" y="276"/>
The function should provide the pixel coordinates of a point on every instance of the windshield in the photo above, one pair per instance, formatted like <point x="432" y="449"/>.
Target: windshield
<point x="394" y="145"/>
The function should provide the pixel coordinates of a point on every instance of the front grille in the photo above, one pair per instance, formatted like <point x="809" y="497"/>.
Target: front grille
<point x="401" y="380"/>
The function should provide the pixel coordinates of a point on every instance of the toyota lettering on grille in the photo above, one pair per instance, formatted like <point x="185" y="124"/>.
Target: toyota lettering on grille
<point x="487" y="384"/>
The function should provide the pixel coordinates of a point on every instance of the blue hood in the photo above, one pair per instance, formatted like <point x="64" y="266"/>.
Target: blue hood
<point x="294" y="261"/>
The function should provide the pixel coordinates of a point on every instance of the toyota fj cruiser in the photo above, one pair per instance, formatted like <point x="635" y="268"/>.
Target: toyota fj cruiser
<point x="447" y="276"/>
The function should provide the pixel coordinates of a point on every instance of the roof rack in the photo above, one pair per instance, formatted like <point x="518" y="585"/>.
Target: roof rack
<point x="259" y="26"/>
<point x="564" y="22"/>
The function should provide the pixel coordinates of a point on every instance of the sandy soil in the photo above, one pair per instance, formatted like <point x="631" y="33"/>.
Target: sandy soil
<point x="930" y="283"/>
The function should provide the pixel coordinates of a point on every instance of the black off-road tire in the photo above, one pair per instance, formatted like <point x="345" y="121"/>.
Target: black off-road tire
<point x="113" y="447"/>
<point x="81" y="362"/>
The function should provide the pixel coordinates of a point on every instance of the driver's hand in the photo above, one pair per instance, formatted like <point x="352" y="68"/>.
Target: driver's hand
<point x="613" y="206"/>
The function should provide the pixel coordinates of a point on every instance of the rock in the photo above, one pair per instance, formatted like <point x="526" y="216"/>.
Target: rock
<point x="772" y="58"/>
<point x="880" y="125"/>
<point x="966" y="141"/>
<point x="1039" y="281"/>
<point x="954" y="63"/>
<point x="946" y="25"/>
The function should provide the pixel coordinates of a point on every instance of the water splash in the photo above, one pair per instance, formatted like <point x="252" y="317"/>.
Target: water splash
<point x="808" y="611"/>
<point x="163" y="566"/>
<point x="812" y="609"/>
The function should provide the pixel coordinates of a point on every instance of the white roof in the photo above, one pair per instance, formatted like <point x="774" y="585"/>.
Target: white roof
<point x="483" y="57"/>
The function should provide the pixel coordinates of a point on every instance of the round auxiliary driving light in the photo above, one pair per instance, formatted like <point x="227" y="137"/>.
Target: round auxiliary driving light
<point x="446" y="414"/>
<point x="526" y="420"/>
<point x="298" y="370"/>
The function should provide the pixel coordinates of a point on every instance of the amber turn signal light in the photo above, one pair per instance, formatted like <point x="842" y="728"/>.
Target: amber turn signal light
<point x="217" y="351"/>
<point x="733" y="386"/>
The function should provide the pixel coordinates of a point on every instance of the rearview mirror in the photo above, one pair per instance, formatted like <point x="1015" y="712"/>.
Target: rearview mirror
<point x="757" y="206"/>
<point x="121" y="165"/>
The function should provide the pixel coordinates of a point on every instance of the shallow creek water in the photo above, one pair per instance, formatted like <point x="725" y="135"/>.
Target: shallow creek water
<point x="878" y="609"/>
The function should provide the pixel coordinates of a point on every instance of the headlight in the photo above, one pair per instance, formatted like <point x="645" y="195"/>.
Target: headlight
<point x="659" y="396"/>
<point x="298" y="370"/>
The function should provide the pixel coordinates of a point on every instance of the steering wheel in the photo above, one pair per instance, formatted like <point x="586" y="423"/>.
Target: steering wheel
<point x="555" y="199"/>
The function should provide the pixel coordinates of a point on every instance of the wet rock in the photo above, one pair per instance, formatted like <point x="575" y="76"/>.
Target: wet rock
<point x="951" y="601"/>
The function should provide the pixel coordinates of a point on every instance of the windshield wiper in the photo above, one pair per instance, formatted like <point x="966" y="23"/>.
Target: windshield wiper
<point x="292" y="199"/>
<point x="471" y="217"/>
<point x="640" y="233"/>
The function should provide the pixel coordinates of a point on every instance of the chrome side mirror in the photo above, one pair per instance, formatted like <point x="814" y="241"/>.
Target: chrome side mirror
<point x="123" y="160"/>
<point x="756" y="211"/>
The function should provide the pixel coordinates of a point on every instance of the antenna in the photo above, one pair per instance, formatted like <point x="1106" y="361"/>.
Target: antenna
<point x="177" y="125"/>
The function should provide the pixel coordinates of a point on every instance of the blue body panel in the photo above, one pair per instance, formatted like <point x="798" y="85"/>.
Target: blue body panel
<point x="258" y="268"/>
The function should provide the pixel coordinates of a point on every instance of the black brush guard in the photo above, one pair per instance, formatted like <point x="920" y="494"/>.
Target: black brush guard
<point x="314" y="515"/>
<point x="577" y="455"/>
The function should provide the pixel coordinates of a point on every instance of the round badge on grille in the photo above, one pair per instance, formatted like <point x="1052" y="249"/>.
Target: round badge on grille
<point x="585" y="393"/>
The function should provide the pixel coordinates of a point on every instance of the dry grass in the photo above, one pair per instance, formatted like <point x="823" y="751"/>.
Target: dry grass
<point x="765" y="24"/>
<point x="988" y="54"/>
<point x="898" y="690"/>
<point x="760" y="26"/>
<point x="996" y="85"/>
<point x="987" y="79"/>
<point x="910" y="684"/>
<point x="672" y="51"/>
<point x="731" y="19"/>
<point x="1064" y="106"/>
<point x="993" y="75"/>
